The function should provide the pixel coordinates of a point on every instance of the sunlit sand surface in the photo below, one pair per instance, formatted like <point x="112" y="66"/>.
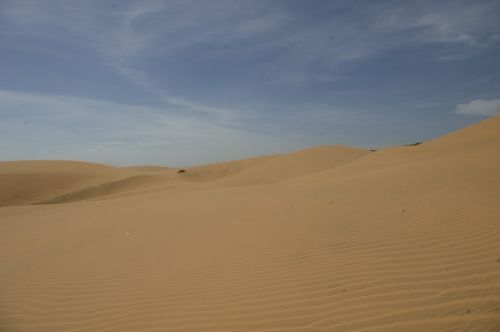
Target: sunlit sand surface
<point x="330" y="238"/>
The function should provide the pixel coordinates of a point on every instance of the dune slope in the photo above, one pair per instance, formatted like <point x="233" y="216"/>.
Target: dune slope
<point x="294" y="165"/>
<point x="27" y="182"/>
<point x="215" y="171"/>
<point x="121" y="186"/>
<point x="403" y="239"/>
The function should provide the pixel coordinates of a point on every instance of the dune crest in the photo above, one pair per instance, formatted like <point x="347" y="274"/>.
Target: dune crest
<point x="294" y="165"/>
<point x="28" y="182"/>
<point x="128" y="184"/>
<point x="215" y="171"/>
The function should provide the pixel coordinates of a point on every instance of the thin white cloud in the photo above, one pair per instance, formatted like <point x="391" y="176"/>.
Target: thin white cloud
<point x="117" y="36"/>
<point x="284" y="44"/>
<point x="139" y="78"/>
<point x="69" y="127"/>
<point x="479" y="107"/>
<point x="134" y="31"/>
<point x="387" y="26"/>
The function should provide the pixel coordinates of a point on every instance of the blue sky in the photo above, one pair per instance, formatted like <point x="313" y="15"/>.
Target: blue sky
<point x="188" y="82"/>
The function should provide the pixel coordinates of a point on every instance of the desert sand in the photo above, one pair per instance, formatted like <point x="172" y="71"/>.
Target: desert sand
<point x="330" y="238"/>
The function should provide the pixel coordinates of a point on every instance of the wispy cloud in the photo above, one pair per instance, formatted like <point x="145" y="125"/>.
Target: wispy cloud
<point x="69" y="127"/>
<point x="132" y="32"/>
<point x="479" y="107"/>
<point x="264" y="73"/>
<point x="122" y="37"/>
<point x="378" y="27"/>
<point x="221" y="115"/>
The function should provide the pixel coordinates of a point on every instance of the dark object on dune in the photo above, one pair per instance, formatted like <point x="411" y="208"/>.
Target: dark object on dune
<point x="181" y="171"/>
<point x="373" y="150"/>
<point x="414" y="144"/>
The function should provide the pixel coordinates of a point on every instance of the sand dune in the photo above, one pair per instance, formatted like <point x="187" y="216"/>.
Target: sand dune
<point x="131" y="183"/>
<point x="151" y="169"/>
<point x="295" y="165"/>
<point x="211" y="172"/>
<point x="27" y="182"/>
<point x="338" y="239"/>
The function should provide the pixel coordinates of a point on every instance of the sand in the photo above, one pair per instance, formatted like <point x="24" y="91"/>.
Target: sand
<point x="330" y="238"/>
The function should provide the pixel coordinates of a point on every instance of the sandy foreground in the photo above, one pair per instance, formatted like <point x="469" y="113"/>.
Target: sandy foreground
<point x="330" y="238"/>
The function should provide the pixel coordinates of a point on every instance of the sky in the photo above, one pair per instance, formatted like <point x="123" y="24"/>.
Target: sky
<point x="178" y="83"/>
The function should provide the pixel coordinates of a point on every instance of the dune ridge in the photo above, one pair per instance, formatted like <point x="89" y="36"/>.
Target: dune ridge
<point x="131" y="183"/>
<point x="27" y="182"/>
<point x="294" y="165"/>
<point x="215" y="171"/>
<point x="325" y="239"/>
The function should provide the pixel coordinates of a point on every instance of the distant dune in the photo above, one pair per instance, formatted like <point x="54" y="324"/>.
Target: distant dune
<point x="329" y="238"/>
<point x="27" y="182"/>
<point x="211" y="172"/>
<point x="150" y="169"/>
<point x="295" y="165"/>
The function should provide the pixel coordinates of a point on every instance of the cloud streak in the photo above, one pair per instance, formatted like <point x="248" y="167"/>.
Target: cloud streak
<point x="120" y="43"/>
<point x="82" y="128"/>
<point x="479" y="107"/>
<point x="135" y="76"/>
<point x="132" y="32"/>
